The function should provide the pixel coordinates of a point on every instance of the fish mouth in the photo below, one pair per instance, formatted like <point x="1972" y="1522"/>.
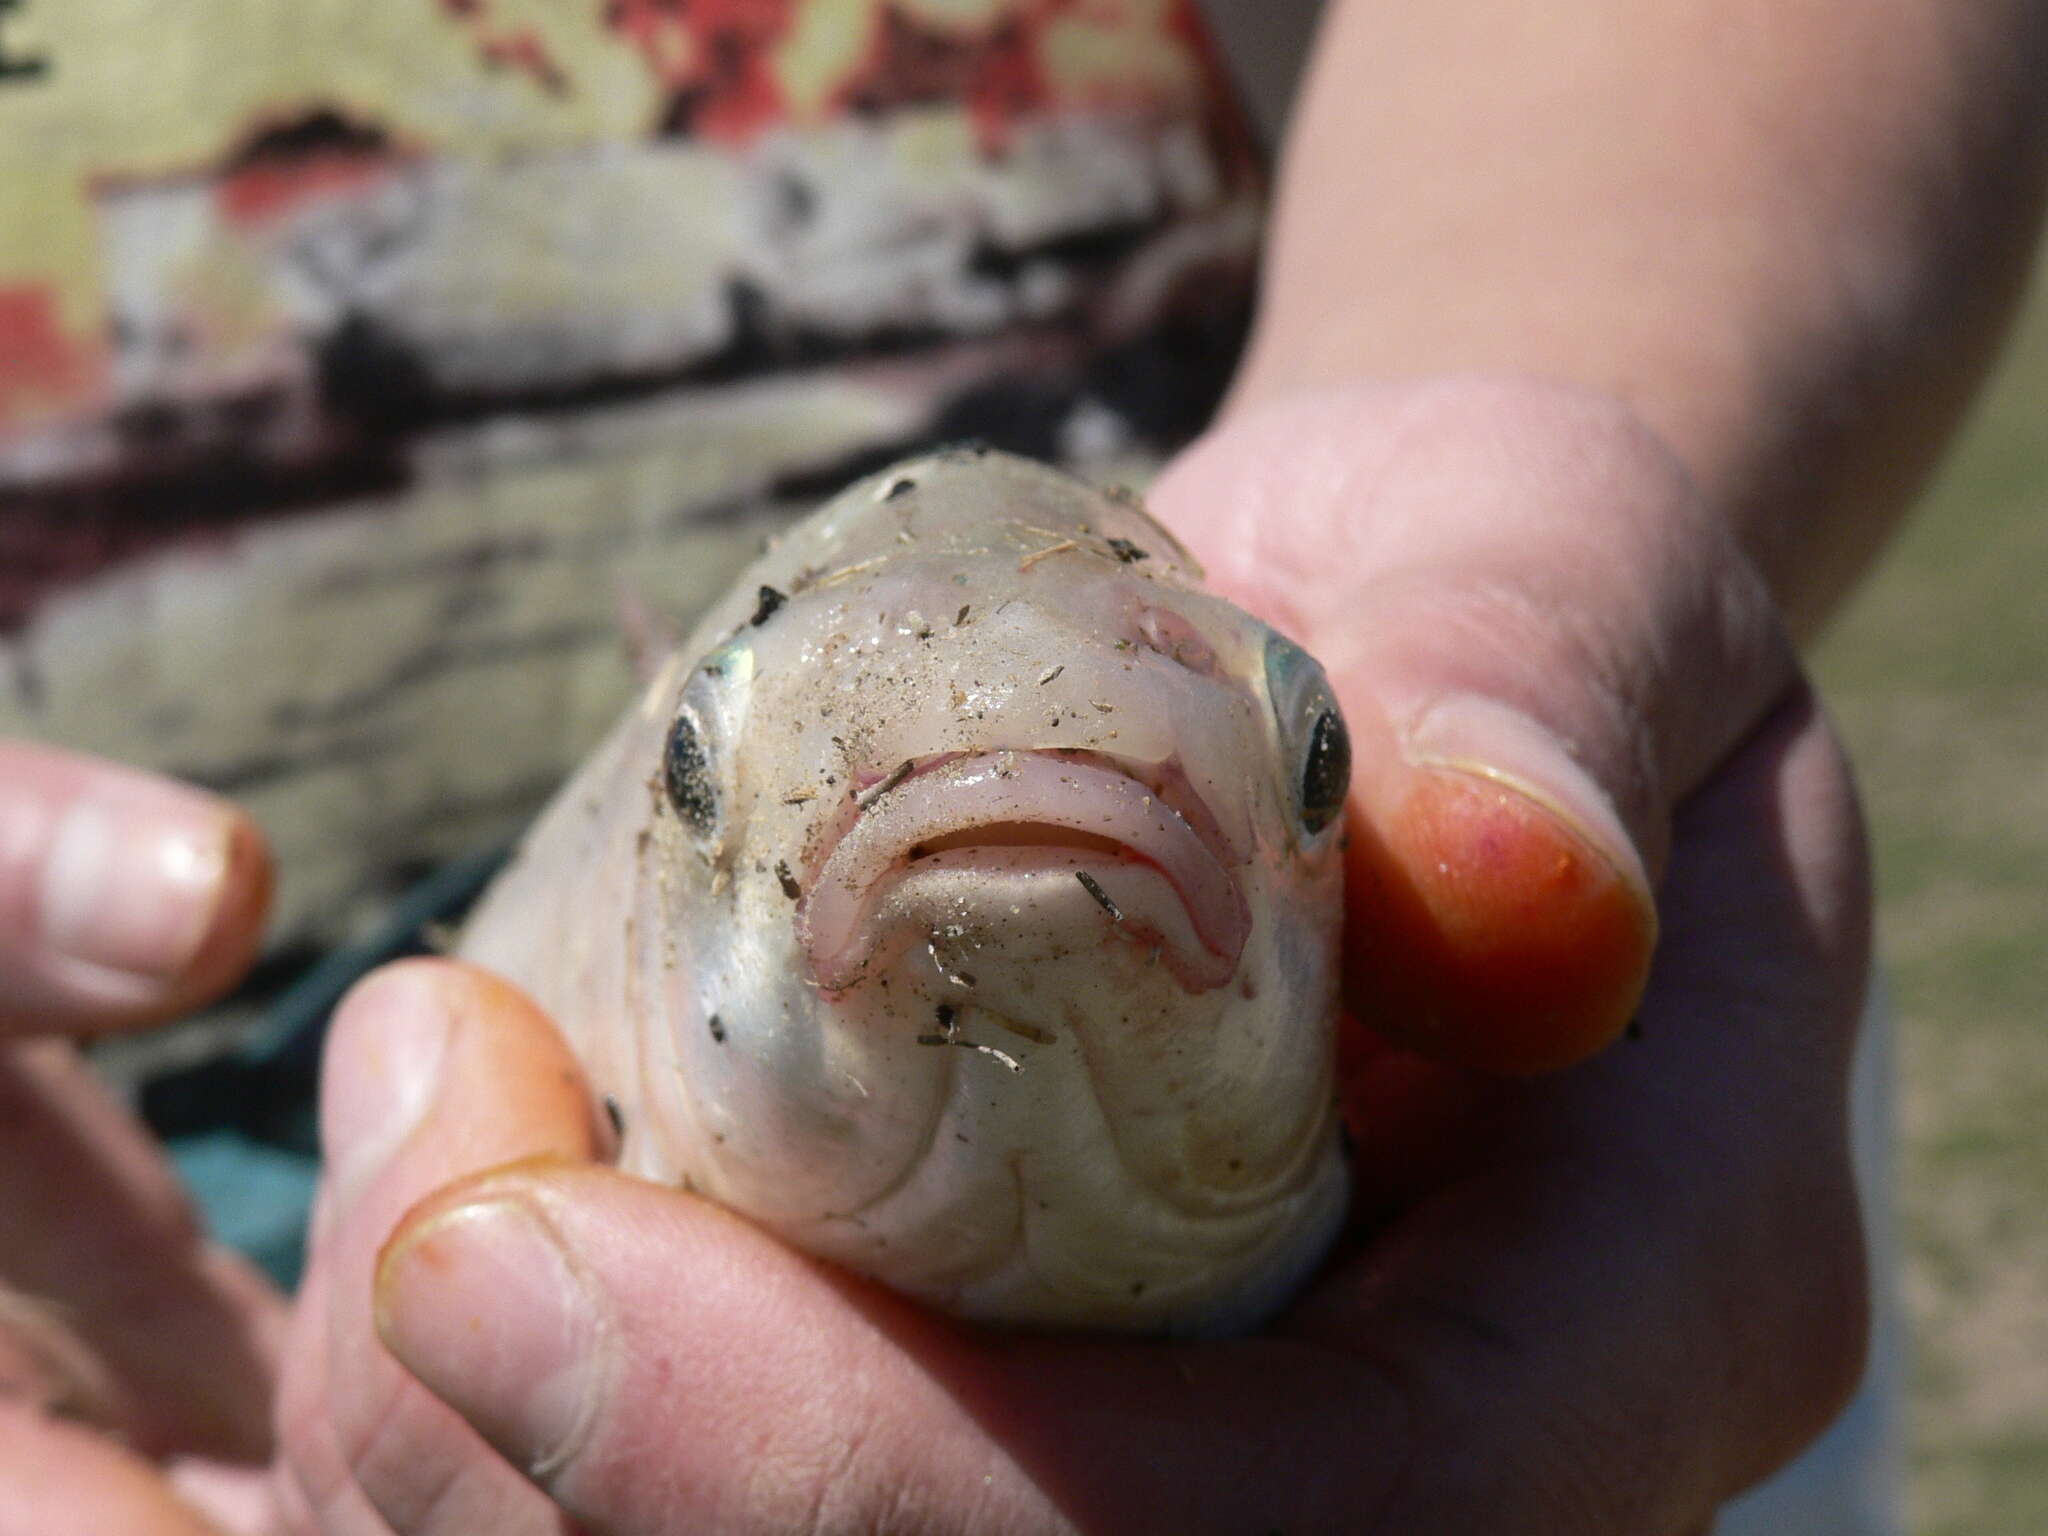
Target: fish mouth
<point x="1139" y="854"/>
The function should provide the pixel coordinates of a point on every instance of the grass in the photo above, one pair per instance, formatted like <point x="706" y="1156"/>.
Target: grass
<point x="1939" y="677"/>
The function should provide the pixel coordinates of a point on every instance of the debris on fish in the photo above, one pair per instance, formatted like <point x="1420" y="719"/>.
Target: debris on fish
<point x="996" y="961"/>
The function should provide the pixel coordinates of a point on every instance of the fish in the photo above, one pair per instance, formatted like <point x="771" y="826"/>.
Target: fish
<point x="961" y="904"/>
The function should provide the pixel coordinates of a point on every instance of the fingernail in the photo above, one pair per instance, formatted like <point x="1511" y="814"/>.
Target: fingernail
<point x="484" y="1305"/>
<point x="382" y="1070"/>
<point x="134" y="878"/>
<point x="1493" y="741"/>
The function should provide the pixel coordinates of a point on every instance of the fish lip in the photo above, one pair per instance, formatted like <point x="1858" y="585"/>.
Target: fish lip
<point x="1199" y="869"/>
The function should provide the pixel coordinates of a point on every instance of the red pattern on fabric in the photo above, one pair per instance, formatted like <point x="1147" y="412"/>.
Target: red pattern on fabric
<point x="40" y="367"/>
<point x="715" y="58"/>
<point x="261" y="192"/>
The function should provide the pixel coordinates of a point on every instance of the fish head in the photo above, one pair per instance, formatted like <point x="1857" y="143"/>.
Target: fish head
<point x="991" y="904"/>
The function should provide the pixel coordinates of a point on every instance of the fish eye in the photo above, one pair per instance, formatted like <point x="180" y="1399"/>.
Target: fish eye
<point x="1315" y="746"/>
<point x="1326" y="772"/>
<point x="686" y="775"/>
<point x="697" y="755"/>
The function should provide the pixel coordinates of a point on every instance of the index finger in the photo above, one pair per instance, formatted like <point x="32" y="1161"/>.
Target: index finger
<point x="125" y="899"/>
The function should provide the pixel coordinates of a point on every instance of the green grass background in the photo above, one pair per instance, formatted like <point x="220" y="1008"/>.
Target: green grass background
<point x="1938" y="675"/>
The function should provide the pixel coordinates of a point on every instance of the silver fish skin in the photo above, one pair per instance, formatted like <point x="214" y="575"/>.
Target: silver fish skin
<point x="961" y="904"/>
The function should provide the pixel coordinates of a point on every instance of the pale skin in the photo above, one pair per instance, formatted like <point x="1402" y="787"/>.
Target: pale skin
<point x="1726" y="274"/>
<point x="131" y="1350"/>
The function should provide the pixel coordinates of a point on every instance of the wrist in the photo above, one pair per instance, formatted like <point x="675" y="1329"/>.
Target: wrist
<point x="1786" y="237"/>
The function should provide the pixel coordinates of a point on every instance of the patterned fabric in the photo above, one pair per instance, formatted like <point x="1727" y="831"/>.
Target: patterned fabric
<point x="361" y="366"/>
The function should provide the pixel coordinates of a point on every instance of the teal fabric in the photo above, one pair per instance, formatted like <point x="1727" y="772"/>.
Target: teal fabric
<point x="255" y="1198"/>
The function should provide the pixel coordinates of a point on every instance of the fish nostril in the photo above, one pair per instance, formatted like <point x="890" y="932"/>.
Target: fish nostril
<point x="1175" y="637"/>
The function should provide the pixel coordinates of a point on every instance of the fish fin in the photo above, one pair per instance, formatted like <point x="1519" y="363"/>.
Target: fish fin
<point x="647" y="635"/>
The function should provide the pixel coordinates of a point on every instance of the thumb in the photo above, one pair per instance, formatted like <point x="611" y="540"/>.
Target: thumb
<point x="1543" y="641"/>
<point x="433" y="1070"/>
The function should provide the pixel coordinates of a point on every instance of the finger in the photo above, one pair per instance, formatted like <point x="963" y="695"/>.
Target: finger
<point x="433" y="1070"/>
<point x="117" y="1309"/>
<point x="294" y="1510"/>
<point x="59" y="1477"/>
<point x="1654" y="1295"/>
<point x="1543" y="642"/>
<point x="240" y="1500"/>
<point x="660" y="1365"/>
<point x="313" y="1488"/>
<point x="124" y="899"/>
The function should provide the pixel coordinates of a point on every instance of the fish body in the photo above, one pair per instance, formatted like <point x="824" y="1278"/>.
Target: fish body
<point x="961" y="903"/>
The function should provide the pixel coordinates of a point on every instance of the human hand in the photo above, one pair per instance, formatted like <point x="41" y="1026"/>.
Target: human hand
<point x="1600" y="1301"/>
<point x="135" y="1357"/>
